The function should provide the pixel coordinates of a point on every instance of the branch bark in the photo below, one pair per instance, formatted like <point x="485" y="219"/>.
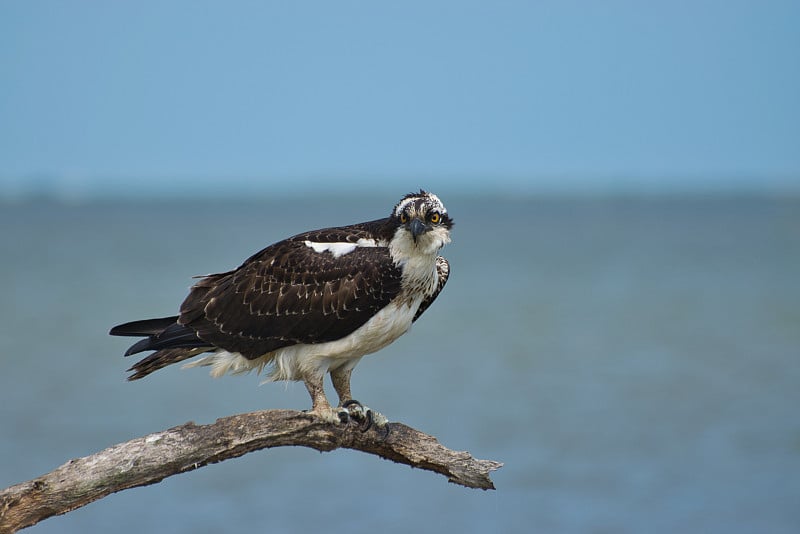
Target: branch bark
<point x="150" y="459"/>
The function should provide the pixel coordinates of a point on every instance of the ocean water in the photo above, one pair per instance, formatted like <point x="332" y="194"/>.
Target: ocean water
<point x="634" y="362"/>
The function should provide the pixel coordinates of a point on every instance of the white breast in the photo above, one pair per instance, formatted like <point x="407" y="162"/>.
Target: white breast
<point x="391" y="322"/>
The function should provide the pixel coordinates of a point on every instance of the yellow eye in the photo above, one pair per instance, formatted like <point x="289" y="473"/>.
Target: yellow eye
<point x="403" y="218"/>
<point x="434" y="217"/>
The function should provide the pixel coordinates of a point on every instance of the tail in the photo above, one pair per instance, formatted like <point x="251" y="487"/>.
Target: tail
<point x="173" y="343"/>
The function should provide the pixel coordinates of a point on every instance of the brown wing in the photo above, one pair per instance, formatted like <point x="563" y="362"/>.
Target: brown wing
<point x="443" y="270"/>
<point x="289" y="294"/>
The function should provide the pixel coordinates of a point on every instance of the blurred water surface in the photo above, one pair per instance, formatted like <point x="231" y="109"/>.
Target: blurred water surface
<point x="634" y="362"/>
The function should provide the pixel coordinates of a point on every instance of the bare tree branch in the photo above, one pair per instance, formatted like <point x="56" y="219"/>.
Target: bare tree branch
<point x="152" y="458"/>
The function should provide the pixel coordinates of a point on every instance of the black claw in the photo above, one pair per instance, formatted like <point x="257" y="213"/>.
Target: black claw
<point x="351" y="402"/>
<point x="344" y="416"/>
<point x="388" y="430"/>
<point x="370" y="421"/>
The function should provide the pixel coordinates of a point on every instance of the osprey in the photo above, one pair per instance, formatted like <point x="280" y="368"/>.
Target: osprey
<point x="309" y="305"/>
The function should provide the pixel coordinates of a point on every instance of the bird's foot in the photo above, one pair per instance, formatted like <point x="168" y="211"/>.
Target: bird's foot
<point x="363" y="415"/>
<point x="352" y="410"/>
<point x="330" y="415"/>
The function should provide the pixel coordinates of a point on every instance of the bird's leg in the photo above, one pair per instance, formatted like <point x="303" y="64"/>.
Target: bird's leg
<point x="341" y="383"/>
<point x="319" y="402"/>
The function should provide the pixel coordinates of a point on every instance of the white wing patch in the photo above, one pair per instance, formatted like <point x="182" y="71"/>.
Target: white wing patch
<point x="339" y="249"/>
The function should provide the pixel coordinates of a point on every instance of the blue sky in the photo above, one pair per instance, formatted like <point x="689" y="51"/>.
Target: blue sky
<point x="151" y="98"/>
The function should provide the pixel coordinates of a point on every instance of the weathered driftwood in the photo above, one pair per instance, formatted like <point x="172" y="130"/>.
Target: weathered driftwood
<point x="152" y="458"/>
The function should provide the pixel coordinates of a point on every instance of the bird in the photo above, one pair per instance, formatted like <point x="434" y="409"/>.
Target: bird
<point x="309" y="305"/>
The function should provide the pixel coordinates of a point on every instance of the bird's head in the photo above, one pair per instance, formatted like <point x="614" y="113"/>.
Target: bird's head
<point x="422" y="222"/>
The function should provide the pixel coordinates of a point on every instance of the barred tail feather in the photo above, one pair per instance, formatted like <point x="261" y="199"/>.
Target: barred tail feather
<point x="162" y="358"/>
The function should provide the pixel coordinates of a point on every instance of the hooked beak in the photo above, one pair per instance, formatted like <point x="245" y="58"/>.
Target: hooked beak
<point x="417" y="228"/>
